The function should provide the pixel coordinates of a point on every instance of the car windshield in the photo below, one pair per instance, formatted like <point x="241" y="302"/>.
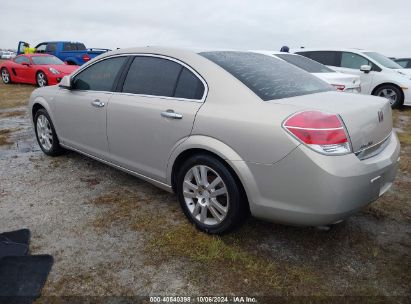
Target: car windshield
<point x="384" y="61"/>
<point x="268" y="77"/>
<point x="305" y="63"/>
<point x="46" y="60"/>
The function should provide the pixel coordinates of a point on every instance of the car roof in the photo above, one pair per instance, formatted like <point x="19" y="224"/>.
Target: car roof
<point x="357" y="50"/>
<point x="166" y="51"/>
<point x="265" y="52"/>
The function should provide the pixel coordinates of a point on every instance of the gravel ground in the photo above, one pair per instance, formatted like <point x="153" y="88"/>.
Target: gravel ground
<point x="112" y="234"/>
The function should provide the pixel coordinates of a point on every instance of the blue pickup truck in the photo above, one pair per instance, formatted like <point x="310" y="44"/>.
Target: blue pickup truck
<point x="74" y="53"/>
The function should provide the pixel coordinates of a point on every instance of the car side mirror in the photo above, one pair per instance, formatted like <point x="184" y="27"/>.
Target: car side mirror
<point x="65" y="83"/>
<point x="365" y="68"/>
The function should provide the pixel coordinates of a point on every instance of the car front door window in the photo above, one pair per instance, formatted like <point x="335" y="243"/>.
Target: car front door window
<point x="101" y="76"/>
<point x="353" y="61"/>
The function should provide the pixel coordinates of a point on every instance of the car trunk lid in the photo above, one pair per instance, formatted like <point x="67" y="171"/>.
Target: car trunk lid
<point x="368" y="119"/>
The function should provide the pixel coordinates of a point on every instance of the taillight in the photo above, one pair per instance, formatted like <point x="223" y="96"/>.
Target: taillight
<point x="322" y="132"/>
<point x="339" y="87"/>
<point x="86" y="57"/>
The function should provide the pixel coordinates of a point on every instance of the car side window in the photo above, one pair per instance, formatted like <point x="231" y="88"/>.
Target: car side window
<point x="41" y="48"/>
<point x="324" y="57"/>
<point x="21" y="59"/>
<point x="189" y="86"/>
<point x="402" y="63"/>
<point x="152" y="76"/>
<point x="162" y="77"/>
<point x="100" y="76"/>
<point x="353" y="61"/>
<point x="51" y="47"/>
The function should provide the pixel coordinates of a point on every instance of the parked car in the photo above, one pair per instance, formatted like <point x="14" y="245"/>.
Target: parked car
<point x="342" y="82"/>
<point x="229" y="132"/>
<point x="380" y="75"/>
<point x="7" y="55"/>
<point x="74" y="53"/>
<point x="40" y="69"/>
<point x="404" y="62"/>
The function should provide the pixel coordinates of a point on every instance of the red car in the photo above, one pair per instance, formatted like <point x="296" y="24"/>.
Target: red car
<point x="40" y="69"/>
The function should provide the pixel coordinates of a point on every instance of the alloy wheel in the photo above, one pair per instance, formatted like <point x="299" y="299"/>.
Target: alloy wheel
<point x="5" y="76"/>
<point x="44" y="132"/>
<point x="41" y="79"/>
<point x="390" y="94"/>
<point x="205" y="195"/>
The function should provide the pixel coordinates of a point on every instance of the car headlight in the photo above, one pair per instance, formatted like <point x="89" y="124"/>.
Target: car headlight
<point x="54" y="71"/>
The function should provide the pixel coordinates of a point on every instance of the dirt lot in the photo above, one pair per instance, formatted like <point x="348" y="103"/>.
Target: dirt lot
<point x="113" y="234"/>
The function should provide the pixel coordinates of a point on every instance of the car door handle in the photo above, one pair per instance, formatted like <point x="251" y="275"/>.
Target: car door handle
<point x="171" y="114"/>
<point x="97" y="103"/>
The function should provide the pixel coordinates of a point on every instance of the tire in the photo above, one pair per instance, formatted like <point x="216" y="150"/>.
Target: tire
<point x="392" y="93"/>
<point x="198" y="201"/>
<point x="46" y="134"/>
<point x="5" y="76"/>
<point x="41" y="79"/>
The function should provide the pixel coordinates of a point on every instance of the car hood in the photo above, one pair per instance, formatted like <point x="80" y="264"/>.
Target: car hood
<point x="64" y="68"/>
<point x="339" y="78"/>
<point x="404" y="72"/>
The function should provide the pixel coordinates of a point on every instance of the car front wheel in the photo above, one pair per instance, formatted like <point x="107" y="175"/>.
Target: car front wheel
<point x="41" y="79"/>
<point x="46" y="134"/>
<point x="5" y="76"/>
<point x="392" y="93"/>
<point x="210" y="195"/>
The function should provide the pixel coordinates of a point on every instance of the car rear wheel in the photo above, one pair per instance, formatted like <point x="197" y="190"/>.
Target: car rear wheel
<point x="46" y="134"/>
<point x="5" y="75"/>
<point x="209" y="194"/>
<point x="41" y="79"/>
<point x="392" y="93"/>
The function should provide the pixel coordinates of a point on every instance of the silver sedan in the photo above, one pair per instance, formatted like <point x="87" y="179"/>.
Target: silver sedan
<point x="231" y="133"/>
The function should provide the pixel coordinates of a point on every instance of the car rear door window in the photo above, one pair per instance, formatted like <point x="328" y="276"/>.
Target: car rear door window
<point x="152" y="76"/>
<point x="100" y="76"/>
<point x="51" y="47"/>
<point x="353" y="61"/>
<point x="162" y="77"/>
<point x="189" y="86"/>
<point x="324" y="57"/>
<point x="268" y="77"/>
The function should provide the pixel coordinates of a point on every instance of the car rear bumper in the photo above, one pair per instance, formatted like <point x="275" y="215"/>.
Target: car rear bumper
<point x="308" y="188"/>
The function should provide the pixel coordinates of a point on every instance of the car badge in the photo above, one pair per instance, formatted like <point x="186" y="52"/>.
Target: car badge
<point x="380" y="116"/>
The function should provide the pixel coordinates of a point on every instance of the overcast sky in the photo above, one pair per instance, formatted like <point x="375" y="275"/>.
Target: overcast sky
<point x="380" y="25"/>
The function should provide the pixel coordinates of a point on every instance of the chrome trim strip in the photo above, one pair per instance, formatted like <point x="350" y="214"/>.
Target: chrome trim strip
<point x="157" y="183"/>
<point x="370" y="147"/>
<point x="148" y="55"/>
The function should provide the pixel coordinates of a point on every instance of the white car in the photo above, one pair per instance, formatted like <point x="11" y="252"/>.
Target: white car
<point x="7" y="55"/>
<point x="380" y="75"/>
<point x="342" y="82"/>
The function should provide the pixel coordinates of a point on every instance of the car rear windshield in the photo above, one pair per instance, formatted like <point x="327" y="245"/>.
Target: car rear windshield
<point x="71" y="46"/>
<point x="305" y="63"/>
<point x="268" y="77"/>
<point x="46" y="60"/>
